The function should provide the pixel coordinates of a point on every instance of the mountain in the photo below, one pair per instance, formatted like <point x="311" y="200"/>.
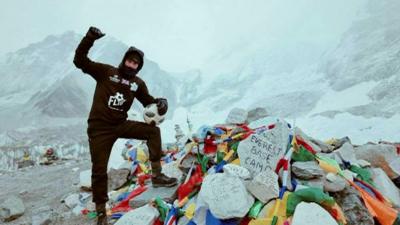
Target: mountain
<point x="42" y="90"/>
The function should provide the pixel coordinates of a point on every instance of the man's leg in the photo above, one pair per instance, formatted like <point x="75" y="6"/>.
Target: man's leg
<point x="144" y="131"/>
<point x="100" y="150"/>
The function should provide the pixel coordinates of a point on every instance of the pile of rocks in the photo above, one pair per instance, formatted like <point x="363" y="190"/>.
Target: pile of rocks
<point x="255" y="169"/>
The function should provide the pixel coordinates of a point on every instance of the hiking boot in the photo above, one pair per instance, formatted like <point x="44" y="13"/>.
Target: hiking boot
<point x="101" y="214"/>
<point x="163" y="181"/>
<point x="159" y="179"/>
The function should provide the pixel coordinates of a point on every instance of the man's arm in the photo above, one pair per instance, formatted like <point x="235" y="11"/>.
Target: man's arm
<point x="97" y="70"/>
<point x="143" y="95"/>
<point x="145" y="98"/>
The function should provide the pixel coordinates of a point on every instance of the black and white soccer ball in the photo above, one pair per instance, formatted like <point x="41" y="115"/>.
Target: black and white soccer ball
<point x="151" y="115"/>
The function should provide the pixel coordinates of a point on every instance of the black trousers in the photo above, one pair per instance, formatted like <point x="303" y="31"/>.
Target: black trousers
<point x="101" y="140"/>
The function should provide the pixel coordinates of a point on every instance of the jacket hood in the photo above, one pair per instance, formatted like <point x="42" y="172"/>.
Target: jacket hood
<point x="130" y="51"/>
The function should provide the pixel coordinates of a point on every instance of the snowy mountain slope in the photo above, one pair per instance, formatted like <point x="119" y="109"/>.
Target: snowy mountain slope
<point x="42" y="89"/>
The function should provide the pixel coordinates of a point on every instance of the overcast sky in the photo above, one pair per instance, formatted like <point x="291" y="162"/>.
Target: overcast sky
<point x="179" y="34"/>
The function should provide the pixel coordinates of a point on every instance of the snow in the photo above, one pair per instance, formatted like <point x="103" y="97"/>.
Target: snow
<point x="340" y="100"/>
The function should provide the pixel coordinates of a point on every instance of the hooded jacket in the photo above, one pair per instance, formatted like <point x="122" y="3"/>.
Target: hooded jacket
<point x="115" y="90"/>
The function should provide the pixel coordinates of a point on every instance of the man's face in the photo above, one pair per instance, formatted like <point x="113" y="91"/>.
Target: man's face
<point x="131" y="64"/>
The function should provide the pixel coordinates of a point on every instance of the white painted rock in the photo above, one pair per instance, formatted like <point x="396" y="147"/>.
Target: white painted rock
<point x="264" y="186"/>
<point x="261" y="152"/>
<point x="85" y="179"/>
<point x="226" y="196"/>
<point x="145" y="215"/>
<point x="311" y="213"/>
<point x="235" y="170"/>
<point x="386" y="186"/>
<point x="236" y="116"/>
<point x="11" y="208"/>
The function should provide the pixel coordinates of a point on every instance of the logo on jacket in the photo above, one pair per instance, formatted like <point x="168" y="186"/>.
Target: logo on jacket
<point x="115" y="78"/>
<point x="134" y="86"/>
<point x="116" y="100"/>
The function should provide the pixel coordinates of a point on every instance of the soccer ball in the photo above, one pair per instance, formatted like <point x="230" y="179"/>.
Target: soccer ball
<point x="151" y="115"/>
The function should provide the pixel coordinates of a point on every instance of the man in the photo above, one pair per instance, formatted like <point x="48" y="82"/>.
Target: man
<point x="115" y="91"/>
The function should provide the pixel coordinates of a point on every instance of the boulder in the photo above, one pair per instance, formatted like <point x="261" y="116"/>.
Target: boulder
<point x="347" y="152"/>
<point x="376" y="154"/>
<point x="172" y="170"/>
<point x="72" y="200"/>
<point x="322" y="145"/>
<point x="353" y="207"/>
<point x="264" y="186"/>
<point x="310" y="213"/>
<point x="236" y="116"/>
<point x="168" y="194"/>
<point x="11" y="208"/>
<point x="386" y="186"/>
<point x="307" y="170"/>
<point x="235" y="170"/>
<point x="334" y="183"/>
<point x="262" y="151"/>
<point x="117" y="178"/>
<point x="226" y="196"/>
<point x="255" y="114"/>
<point x="145" y="215"/>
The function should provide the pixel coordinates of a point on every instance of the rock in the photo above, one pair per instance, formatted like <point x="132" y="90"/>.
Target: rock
<point x="317" y="183"/>
<point x="362" y="163"/>
<point x="25" y="163"/>
<point x="187" y="161"/>
<point x="309" y="213"/>
<point x="75" y="169"/>
<point x="44" y="216"/>
<point x="72" y="200"/>
<point x="235" y="170"/>
<point x="11" y="208"/>
<point x="145" y="215"/>
<point x="23" y="192"/>
<point x="322" y="145"/>
<point x="85" y="179"/>
<point x="236" y="116"/>
<point x="307" y="170"/>
<point x="338" y="184"/>
<point x="256" y="114"/>
<point x="261" y="152"/>
<point x="264" y="186"/>
<point x="347" y="152"/>
<point x="172" y="170"/>
<point x="353" y="207"/>
<point x="386" y="186"/>
<point x="340" y="142"/>
<point x="168" y="194"/>
<point x="226" y="196"/>
<point x="349" y="175"/>
<point x="307" y="139"/>
<point x="376" y="154"/>
<point x="117" y="178"/>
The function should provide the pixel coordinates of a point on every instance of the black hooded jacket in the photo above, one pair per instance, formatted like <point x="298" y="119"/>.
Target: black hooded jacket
<point x="115" y="91"/>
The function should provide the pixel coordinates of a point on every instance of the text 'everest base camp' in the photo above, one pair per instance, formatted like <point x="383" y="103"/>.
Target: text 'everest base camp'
<point x="248" y="170"/>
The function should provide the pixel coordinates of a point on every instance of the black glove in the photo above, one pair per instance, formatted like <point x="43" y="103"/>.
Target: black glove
<point x="162" y="105"/>
<point x="94" y="33"/>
